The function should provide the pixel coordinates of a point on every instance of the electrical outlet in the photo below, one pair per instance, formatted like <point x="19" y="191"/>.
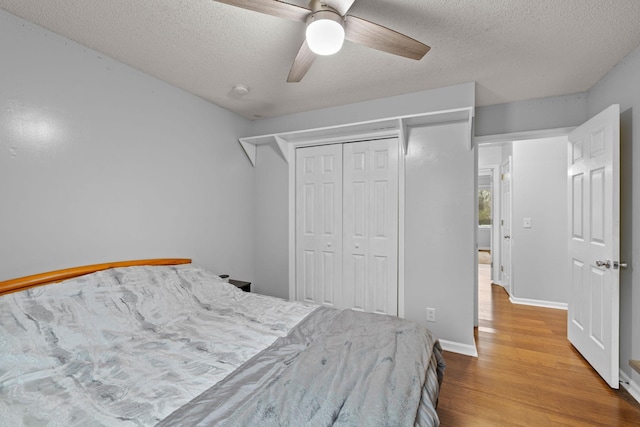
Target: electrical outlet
<point x="431" y="314"/>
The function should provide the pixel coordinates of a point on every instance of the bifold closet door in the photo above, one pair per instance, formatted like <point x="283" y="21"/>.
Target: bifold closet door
<point x="347" y="225"/>
<point x="370" y="226"/>
<point x="319" y="225"/>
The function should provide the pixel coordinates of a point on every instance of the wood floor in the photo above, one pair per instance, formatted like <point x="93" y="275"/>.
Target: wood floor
<point x="527" y="373"/>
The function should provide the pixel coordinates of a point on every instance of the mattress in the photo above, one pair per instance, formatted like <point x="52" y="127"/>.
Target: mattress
<point x="139" y="346"/>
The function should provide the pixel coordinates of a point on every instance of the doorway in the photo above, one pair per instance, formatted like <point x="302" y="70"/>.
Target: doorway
<point x="529" y="219"/>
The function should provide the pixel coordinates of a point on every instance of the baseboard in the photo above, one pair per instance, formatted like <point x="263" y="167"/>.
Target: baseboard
<point x="506" y="288"/>
<point x="631" y="386"/>
<point x="456" y="347"/>
<point x="539" y="303"/>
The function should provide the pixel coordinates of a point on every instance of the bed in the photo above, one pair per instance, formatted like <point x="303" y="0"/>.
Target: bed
<point x="165" y="342"/>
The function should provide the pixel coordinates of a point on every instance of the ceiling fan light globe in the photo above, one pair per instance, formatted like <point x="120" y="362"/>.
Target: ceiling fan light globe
<point x="325" y="33"/>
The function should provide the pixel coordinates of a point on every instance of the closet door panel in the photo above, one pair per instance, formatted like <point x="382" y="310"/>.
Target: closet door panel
<point x="354" y="295"/>
<point x="379" y="296"/>
<point x="309" y="275"/>
<point x="370" y="221"/>
<point x="319" y="224"/>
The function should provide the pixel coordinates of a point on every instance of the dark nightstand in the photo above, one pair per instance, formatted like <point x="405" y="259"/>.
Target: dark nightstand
<point x="245" y="286"/>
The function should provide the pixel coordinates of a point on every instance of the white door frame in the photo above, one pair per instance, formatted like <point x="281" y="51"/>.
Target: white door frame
<point x="383" y="134"/>
<point x="506" y="254"/>
<point x="494" y="171"/>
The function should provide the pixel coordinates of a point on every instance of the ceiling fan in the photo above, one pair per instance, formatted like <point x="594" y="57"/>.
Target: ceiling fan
<point x="328" y="25"/>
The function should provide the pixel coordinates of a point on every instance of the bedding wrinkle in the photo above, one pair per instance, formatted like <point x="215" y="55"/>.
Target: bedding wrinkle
<point x="127" y="346"/>
<point x="309" y="377"/>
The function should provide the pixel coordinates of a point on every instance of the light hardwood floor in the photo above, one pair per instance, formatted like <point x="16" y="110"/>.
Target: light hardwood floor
<point x="527" y="373"/>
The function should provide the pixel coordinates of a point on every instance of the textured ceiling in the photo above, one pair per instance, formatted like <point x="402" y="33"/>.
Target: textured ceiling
<point x="513" y="49"/>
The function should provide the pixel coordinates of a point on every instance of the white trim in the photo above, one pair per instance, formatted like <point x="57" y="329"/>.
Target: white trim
<point x="510" y="285"/>
<point x="539" y="303"/>
<point x="251" y="150"/>
<point x="292" y="223"/>
<point x="401" y="207"/>
<point x="338" y="139"/>
<point x="471" y="129"/>
<point x="519" y="136"/>
<point x="457" y="347"/>
<point x="631" y="386"/>
<point x="495" y="238"/>
<point x="282" y="145"/>
<point x="403" y="133"/>
<point x="496" y="193"/>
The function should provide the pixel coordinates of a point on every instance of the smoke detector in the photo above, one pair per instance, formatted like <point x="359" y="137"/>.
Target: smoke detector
<point x="240" y="89"/>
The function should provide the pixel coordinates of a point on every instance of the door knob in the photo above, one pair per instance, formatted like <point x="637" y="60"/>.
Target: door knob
<point x="328" y="244"/>
<point x="357" y="245"/>
<point x="606" y="263"/>
<point x="507" y="237"/>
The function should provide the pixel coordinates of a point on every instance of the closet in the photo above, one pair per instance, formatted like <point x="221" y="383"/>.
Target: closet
<point x="346" y="253"/>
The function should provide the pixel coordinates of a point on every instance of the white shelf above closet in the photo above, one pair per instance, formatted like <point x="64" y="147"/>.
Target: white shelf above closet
<point x="395" y="126"/>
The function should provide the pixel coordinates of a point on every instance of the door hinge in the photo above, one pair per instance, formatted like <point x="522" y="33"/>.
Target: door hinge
<point x="502" y="222"/>
<point x="502" y="268"/>
<point x="502" y="177"/>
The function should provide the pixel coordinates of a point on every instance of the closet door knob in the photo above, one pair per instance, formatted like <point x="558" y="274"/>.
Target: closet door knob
<point x="328" y="244"/>
<point x="357" y="245"/>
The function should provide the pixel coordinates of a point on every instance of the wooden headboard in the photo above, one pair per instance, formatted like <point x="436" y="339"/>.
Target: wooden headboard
<point x="22" y="283"/>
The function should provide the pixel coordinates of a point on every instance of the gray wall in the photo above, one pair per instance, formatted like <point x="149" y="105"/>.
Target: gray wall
<point x="99" y="162"/>
<point x="622" y="86"/>
<point x="447" y="98"/>
<point x="539" y="191"/>
<point x="271" y="210"/>
<point x="484" y="238"/>
<point x="440" y="225"/>
<point x="271" y="223"/>
<point x="534" y="114"/>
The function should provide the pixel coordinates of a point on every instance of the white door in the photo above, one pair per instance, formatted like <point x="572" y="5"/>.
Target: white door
<point x="594" y="241"/>
<point x="370" y="224"/>
<point x="505" y="227"/>
<point x="319" y="224"/>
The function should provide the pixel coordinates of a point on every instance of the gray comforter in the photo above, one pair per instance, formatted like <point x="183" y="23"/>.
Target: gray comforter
<point x="335" y="368"/>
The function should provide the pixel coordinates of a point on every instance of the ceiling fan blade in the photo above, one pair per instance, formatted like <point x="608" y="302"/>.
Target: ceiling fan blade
<point x="341" y="6"/>
<point x="376" y="36"/>
<point x="301" y="64"/>
<point x="272" y="7"/>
